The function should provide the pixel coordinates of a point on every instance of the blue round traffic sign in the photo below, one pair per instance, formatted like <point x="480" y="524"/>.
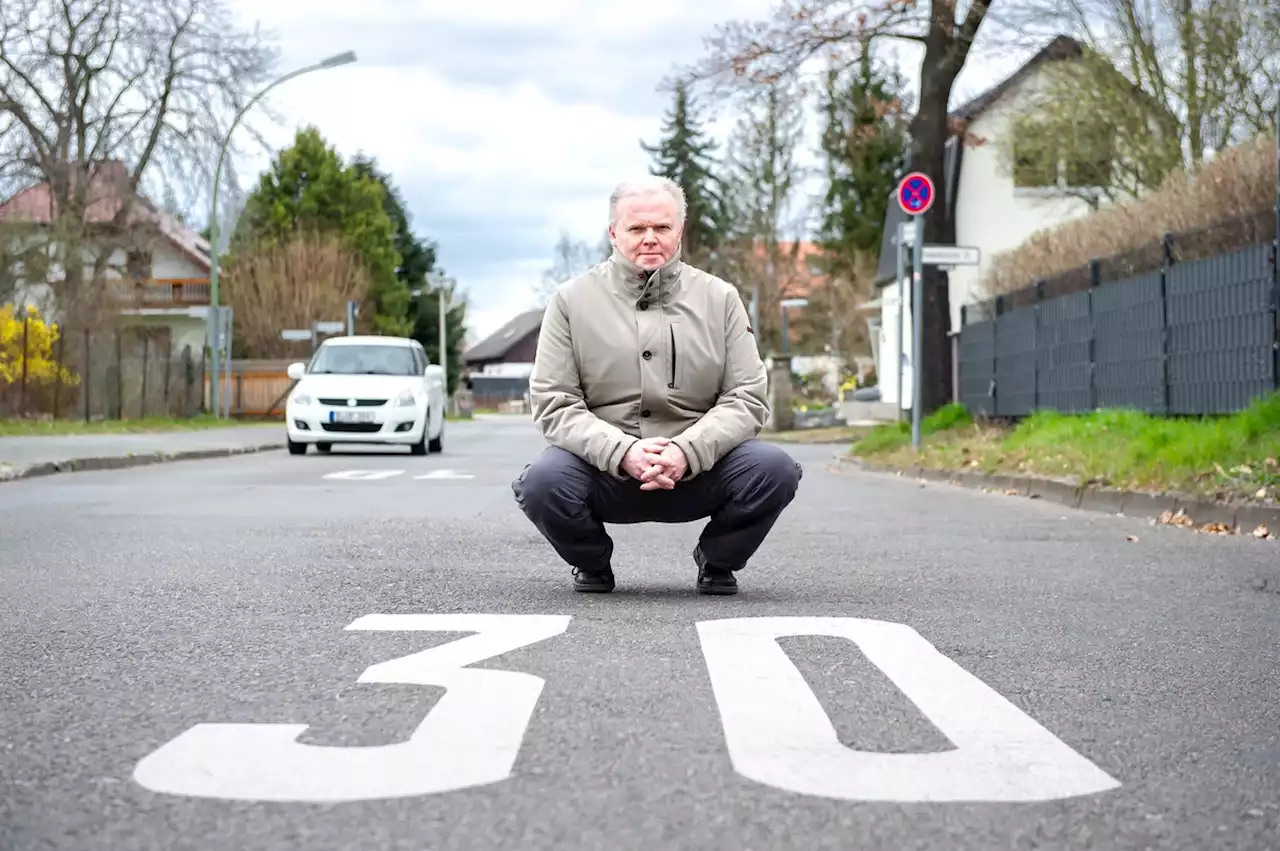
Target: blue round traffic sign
<point x="915" y="193"/>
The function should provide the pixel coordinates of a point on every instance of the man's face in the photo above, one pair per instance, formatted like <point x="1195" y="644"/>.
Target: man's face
<point x="647" y="230"/>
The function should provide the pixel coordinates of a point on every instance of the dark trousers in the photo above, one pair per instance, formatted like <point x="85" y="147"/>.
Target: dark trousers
<point x="569" y="501"/>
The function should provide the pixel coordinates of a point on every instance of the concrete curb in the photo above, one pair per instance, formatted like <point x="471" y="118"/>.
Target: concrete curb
<point x="1198" y="512"/>
<point x="120" y="462"/>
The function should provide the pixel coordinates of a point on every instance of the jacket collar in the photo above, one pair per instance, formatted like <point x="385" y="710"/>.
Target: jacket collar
<point x="641" y="284"/>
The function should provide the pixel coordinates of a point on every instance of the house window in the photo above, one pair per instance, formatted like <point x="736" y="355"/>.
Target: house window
<point x="1089" y="163"/>
<point x="1041" y="162"/>
<point x="1035" y="158"/>
<point x="137" y="265"/>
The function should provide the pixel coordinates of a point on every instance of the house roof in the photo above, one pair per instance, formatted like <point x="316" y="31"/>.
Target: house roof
<point x="800" y="279"/>
<point x="1061" y="47"/>
<point x="108" y="182"/>
<point x="496" y="345"/>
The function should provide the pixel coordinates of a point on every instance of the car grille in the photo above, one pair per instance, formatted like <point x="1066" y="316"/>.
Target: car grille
<point x="342" y="403"/>
<point x="352" y="428"/>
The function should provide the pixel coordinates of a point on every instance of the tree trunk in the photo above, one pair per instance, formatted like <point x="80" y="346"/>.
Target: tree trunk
<point x="944" y="56"/>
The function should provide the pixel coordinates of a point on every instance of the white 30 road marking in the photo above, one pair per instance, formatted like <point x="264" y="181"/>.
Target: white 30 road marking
<point x="776" y="731"/>
<point x="363" y="475"/>
<point x="445" y="474"/>
<point x="470" y="738"/>
<point x="778" y="734"/>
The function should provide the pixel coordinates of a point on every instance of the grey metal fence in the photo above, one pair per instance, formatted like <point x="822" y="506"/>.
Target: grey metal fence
<point x="1178" y="327"/>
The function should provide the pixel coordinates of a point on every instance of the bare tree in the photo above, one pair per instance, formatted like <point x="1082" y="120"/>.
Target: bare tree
<point x="1214" y="65"/>
<point x="104" y="98"/>
<point x="752" y="55"/>
<point x="570" y="257"/>
<point x="760" y="181"/>
<point x="290" y="285"/>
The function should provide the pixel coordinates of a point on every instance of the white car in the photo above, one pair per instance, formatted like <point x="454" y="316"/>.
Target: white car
<point x="366" y="390"/>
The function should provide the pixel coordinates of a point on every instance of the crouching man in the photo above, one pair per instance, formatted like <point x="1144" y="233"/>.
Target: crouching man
<point x="649" y="388"/>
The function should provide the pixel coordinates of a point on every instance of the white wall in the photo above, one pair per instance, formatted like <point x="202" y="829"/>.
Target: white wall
<point x="167" y="261"/>
<point x="991" y="213"/>
<point x="887" y="353"/>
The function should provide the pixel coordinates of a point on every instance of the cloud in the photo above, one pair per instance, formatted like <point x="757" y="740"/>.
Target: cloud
<point x="502" y="123"/>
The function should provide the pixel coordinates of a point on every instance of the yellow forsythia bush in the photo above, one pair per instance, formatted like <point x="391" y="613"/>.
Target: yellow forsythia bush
<point x="40" y="336"/>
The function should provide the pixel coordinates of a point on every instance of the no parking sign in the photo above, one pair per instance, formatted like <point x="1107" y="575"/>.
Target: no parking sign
<point x="915" y="193"/>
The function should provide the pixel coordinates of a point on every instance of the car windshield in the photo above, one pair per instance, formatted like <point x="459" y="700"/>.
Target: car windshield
<point x="364" y="360"/>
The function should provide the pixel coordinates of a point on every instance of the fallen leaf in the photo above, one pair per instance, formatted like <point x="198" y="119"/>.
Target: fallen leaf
<point x="1263" y="532"/>
<point x="1215" y="529"/>
<point x="1261" y="494"/>
<point x="1176" y="518"/>
<point x="1011" y="492"/>
<point x="1243" y="469"/>
<point x="1131" y="538"/>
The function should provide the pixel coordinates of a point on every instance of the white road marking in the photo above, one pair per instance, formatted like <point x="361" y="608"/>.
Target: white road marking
<point x="778" y="734"/>
<point x="775" y="729"/>
<point x="445" y="474"/>
<point x="470" y="738"/>
<point x="363" y="475"/>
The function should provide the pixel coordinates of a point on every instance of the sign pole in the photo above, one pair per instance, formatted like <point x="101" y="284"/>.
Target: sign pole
<point x="915" y="197"/>
<point x="900" y="287"/>
<point x="917" y="330"/>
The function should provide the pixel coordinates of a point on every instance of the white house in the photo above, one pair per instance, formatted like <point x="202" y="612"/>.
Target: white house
<point x="997" y="202"/>
<point x="160" y="284"/>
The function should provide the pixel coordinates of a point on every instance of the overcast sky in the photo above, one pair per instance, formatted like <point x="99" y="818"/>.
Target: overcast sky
<point x="502" y="122"/>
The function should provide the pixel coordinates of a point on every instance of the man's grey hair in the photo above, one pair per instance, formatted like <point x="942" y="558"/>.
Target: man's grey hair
<point x="645" y="186"/>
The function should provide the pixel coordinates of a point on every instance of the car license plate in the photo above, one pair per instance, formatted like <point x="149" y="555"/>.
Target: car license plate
<point x="351" y="416"/>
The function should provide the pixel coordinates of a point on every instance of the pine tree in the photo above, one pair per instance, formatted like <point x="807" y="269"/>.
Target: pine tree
<point x="309" y="188"/>
<point x="684" y="154"/>
<point x="864" y="148"/>
<point x="417" y="255"/>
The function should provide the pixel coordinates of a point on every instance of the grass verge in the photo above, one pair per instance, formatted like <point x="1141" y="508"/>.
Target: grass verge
<point x="1229" y="457"/>
<point x="36" y="428"/>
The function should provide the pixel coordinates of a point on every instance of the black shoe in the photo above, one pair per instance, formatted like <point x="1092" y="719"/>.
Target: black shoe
<point x="717" y="580"/>
<point x="593" y="581"/>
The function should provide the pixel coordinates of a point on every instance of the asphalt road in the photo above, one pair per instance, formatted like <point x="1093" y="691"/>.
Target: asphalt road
<point x="1086" y="691"/>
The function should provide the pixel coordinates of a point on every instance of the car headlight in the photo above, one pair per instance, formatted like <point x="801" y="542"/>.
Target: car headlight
<point x="302" y="399"/>
<point x="406" y="399"/>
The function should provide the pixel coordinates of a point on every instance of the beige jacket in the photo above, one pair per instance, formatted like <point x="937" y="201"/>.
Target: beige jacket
<point x="625" y="354"/>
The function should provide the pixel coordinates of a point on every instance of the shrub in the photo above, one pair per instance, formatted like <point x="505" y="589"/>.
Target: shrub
<point x="1239" y="182"/>
<point x="31" y="347"/>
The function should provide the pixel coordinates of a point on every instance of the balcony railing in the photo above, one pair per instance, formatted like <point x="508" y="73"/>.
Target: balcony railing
<point x="163" y="292"/>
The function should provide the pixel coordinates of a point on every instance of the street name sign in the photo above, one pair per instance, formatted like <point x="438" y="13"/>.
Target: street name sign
<point x="951" y="255"/>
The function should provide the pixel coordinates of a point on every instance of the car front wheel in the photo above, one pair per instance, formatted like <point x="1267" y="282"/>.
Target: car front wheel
<point x="436" y="444"/>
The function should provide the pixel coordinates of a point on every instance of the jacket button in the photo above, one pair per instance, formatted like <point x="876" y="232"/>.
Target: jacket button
<point x="646" y="354"/>
<point x="644" y="305"/>
<point x="644" y="413"/>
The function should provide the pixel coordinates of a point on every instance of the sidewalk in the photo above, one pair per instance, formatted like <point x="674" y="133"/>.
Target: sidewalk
<point x="23" y="457"/>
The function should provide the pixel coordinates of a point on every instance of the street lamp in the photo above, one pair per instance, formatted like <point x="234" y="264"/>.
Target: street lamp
<point x="785" y="304"/>
<point x="442" y="310"/>
<point x="334" y="61"/>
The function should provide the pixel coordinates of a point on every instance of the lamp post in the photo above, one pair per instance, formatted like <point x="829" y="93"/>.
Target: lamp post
<point x="442" y="308"/>
<point x="331" y="62"/>
<point x="785" y="304"/>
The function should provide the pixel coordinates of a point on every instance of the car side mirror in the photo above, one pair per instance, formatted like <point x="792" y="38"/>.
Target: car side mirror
<point x="297" y="371"/>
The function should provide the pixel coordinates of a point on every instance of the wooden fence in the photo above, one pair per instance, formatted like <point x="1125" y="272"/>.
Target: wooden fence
<point x="255" y="388"/>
